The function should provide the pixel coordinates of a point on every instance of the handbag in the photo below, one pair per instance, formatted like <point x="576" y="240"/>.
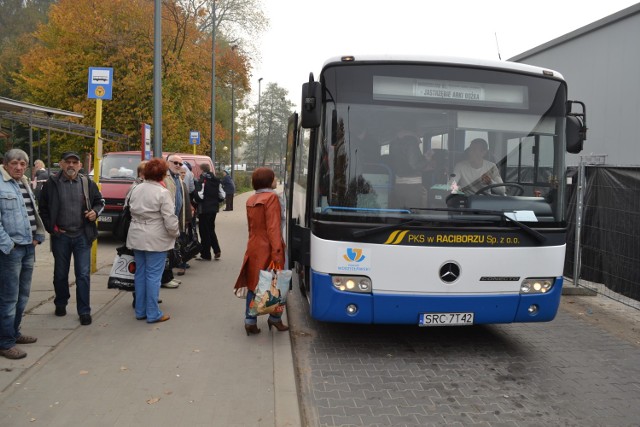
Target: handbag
<point x="123" y="270"/>
<point x="221" y="194"/>
<point x="121" y="229"/>
<point x="189" y="245"/>
<point x="175" y="259"/>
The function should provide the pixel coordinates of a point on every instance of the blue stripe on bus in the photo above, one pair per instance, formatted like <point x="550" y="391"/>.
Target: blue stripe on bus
<point x="329" y="305"/>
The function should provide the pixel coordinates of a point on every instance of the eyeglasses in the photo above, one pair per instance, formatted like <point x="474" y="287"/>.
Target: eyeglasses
<point x="177" y="163"/>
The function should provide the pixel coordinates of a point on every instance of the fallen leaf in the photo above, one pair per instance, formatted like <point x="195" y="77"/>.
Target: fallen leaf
<point x="153" y="400"/>
<point x="84" y="372"/>
<point x="124" y="368"/>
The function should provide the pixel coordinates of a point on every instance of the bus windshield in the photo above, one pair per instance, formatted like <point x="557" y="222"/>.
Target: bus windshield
<point x="440" y="143"/>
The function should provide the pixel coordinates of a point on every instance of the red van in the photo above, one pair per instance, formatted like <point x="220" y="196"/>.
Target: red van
<point x="117" y="173"/>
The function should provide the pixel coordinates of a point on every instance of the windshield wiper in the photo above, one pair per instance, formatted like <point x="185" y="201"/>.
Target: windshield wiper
<point x="503" y="216"/>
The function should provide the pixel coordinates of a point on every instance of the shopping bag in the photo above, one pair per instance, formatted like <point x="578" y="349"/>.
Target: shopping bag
<point x="283" y="278"/>
<point x="267" y="296"/>
<point x="123" y="270"/>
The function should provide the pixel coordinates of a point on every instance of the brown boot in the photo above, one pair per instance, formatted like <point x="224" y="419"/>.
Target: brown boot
<point x="251" y="329"/>
<point x="278" y="325"/>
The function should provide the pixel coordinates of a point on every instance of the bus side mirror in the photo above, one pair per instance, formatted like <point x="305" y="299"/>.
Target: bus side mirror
<point x="576" y="128"/>
<point x="576" y="134"/>
<point x="311" y="102"/>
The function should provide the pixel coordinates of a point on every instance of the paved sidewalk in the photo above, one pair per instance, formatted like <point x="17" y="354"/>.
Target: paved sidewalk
<point x="197" y="369"/>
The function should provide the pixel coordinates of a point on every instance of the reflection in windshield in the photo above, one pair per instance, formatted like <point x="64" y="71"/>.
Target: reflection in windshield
<point x="405" y="159"/>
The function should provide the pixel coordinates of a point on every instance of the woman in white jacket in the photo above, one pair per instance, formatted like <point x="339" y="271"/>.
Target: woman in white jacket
<point x="153" y="231"/>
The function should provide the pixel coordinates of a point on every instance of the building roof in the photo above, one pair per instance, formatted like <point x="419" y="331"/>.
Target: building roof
<point x="607" y="20"/>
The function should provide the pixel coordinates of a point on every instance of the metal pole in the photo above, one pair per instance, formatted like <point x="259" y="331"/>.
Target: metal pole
<point x="258" y="135"/>
<point x="233" y="119"/>
<point x="157" y="79"/>
<point x="31" y="146"/>
<point x="578" y="230"/>
<point x="213" y="84"/>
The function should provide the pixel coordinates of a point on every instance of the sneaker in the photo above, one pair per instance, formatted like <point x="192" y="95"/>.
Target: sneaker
<point x="172" y="284"/>
<point x="13" y="353"/>
<point x="26" y="339"/>
<point x="61" y="310"/>
<point x="85" y="319"/>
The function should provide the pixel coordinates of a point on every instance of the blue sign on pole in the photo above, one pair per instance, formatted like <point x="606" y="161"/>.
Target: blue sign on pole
<point x="100" y="82"/>
<point x="194" y="137"/>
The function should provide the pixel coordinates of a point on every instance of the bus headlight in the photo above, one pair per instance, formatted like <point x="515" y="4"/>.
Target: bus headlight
<point x="536" y="285"/>
<point x="352" y="283"/>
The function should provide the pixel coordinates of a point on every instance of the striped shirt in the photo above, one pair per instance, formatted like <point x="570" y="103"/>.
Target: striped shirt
<point x="31" y="212"/>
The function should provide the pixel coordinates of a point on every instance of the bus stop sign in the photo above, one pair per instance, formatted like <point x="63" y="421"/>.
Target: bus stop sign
<point x="100" y="83"/>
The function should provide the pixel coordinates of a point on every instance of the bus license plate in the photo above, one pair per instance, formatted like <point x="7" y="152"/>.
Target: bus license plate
<point x="445" y="319"/>
<point x="104" y="219"/>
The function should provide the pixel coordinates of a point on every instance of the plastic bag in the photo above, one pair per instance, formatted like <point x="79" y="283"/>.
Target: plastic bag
<point x="123" y="270"/>
<point x="283" y="284"/>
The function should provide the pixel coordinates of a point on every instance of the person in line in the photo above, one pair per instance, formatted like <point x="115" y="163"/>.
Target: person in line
<point x="40" y="177"/>
<point x="70" y="204"/>
<point x="229" y="188"/>
<point x="176" y="187"/>
<point x="407" y="162"/>
<point x="189" y="178"/>
<point x="21" y="230"/>
<point x="139" y="179"/>
<point x="265" y="243"/>
<point x="188" y="216"/>
<point x="475" y="172"/>
<point x="207" y="197"/>
<point x="153" y="231"/>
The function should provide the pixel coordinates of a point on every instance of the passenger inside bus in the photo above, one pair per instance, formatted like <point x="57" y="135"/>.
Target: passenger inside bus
<point x="475" y="173"/>
<point x="407" y="163"/>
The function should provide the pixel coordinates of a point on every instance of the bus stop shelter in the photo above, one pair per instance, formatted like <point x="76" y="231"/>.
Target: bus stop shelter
<point x="50" y="119"/>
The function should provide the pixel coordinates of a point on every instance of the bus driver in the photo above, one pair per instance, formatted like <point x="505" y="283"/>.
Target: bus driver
<point x="476" y="173"/>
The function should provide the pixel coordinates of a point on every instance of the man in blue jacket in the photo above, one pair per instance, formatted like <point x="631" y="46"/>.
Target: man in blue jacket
<point x="70" y="204"/>
<point x="21" y="230"/>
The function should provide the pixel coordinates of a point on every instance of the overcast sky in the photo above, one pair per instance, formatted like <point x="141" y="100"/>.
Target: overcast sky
<point x="303" y="33"/>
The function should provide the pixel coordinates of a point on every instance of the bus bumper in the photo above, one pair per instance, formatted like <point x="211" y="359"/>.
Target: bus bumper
<point x="331" y="305"/>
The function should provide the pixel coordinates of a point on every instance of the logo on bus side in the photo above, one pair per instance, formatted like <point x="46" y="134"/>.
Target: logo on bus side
<point x="354" y="260"/>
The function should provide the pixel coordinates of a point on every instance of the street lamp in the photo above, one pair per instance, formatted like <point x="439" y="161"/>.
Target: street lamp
<point x="258" y="137"/>
<point x="233" y="116"/>
<point x="213" y="84"/>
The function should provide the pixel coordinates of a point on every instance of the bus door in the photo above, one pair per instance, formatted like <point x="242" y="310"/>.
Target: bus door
<point x="295" y="185"/>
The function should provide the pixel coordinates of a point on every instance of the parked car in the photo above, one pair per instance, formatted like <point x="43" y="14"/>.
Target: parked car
<point x="117" y="173"/>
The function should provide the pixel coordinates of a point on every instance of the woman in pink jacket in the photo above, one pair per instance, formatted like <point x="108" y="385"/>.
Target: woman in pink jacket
<point x="265" y="243"/>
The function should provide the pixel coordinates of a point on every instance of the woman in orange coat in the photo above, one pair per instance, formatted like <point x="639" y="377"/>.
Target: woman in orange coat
<point x="265" y="243"/>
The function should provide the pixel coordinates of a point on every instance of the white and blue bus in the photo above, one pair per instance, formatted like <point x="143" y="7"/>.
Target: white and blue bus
<point x="394" y="216"/>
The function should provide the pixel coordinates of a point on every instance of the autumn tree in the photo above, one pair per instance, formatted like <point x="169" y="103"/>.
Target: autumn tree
<point x="119" y="34"/>
<point x="18" y="19"/>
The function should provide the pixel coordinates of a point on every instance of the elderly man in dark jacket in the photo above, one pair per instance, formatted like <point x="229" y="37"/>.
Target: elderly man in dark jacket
<point x="207" y="195"/>
<point x="229" y="188"/>
<point x="70" y="204"/>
